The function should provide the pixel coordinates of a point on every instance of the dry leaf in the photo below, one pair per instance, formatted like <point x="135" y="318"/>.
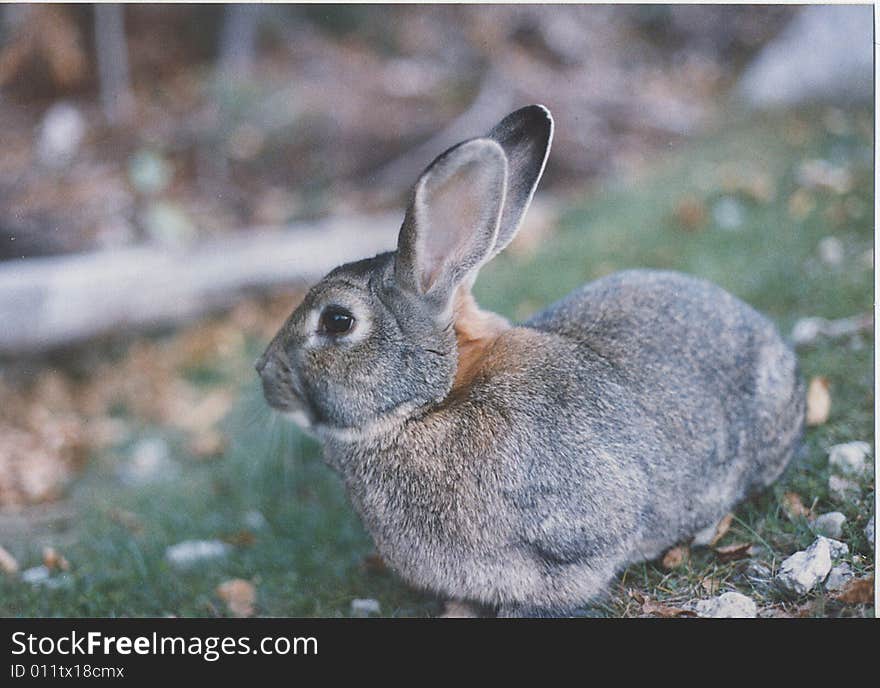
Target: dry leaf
<point x="800" y="205"/>
<point x="785" y="611"/>
<point x="818" y="401"/>
<point x="207" y="444"/>
<point x="373" y="563"/>
<point x="858" y="591"/>
<point x="721" y="529"/>
<point x="690" y="214"/>
<point x="8" y="563"/>
<point x="738" y="550"/>
<point x="655" y="608"/>
<point x="794" y="507"/>
<point x="126" y="519"/>
<point x="675" y="557"/>
<point x="53" y="560"/>
<point x="710" y="585"/>
<point x="239" y="596"/>
<point x="243" y="538"/>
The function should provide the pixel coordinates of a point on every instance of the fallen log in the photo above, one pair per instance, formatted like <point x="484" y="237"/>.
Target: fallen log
<point x="49" y="302"/>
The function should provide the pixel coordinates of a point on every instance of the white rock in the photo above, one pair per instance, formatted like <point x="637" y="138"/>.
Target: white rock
<point x="804" y="570"/>
<point x="822" y="174"/>
<point x="869" y="531"/>
<point x="150" y="461"/>
<point x="843" y="490"/>
<point x="36" y="575"/>
<point x="839" y="576"/>
<point x="729" y="605"/>
<point x="830" y="524"/>
<point x="255" y="520"/>
<point x="807" y="330"/>
<point x="851" y="458"/>
<point x="189" y="552"/>
<point x="837" y="548"/>
<point x="42" y="576"/>
<point x="728" y="213"/>
<point x="61" y="133"/>
<point x="149" y="172"/>
<point x="365" y="607"/>
<point x="831" y="251"/>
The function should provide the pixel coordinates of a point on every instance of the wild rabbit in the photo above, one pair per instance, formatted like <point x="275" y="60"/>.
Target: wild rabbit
<point x="519" y="467"/>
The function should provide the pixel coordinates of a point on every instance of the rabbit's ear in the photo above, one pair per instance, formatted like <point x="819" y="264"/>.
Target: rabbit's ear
<point x="525" y="136"/>
<point x="452" y="221"/>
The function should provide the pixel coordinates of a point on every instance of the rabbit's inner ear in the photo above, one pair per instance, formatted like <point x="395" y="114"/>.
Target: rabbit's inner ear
<point x="451" y="224"/>
<point x="450" y="218"/>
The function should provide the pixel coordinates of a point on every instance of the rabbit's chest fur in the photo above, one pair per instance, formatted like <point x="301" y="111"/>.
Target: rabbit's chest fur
<point x="618" y="422"/>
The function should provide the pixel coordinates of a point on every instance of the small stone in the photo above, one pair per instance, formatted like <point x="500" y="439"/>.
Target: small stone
<point x="831" y="251"/>
<point x="365" y="607"/>
<point x="869" y="531"/>
<point x="804" y="570"/>
<point x="189" y="552"/>
<point x="150" y="461"/>
<point x="840" y="575"/>
<point x="149" y="172"/>
<point x="758" y="571"/>
<point x="61" y="132"/>
<point x="851" y="458"/>
<point x="821" y="174"/>
<point x="807" y="330"/>
<point x="728" y="213"/>
<point x="254" y="519"/>
<point x="830" y="524"/>
<point x="168" y="224"/>
<point x="36" y="575"/>
<point x="843" y="490"/>
<point x="42" y="576"/>
<point x="729" y="605"/>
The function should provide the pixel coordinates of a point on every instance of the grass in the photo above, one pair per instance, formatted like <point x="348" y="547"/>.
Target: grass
<point x="310" y="555"/>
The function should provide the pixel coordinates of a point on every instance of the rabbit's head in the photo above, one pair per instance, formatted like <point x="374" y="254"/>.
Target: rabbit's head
<point x="377" y="338"/>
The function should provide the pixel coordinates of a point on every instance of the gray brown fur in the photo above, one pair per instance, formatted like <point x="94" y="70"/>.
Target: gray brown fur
<point x="612" y="425"/>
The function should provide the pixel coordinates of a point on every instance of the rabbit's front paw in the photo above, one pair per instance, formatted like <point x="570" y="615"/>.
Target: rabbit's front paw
<point x="456" y="609"/>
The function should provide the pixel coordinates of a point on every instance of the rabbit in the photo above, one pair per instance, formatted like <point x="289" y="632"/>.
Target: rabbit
<point x="519" y="468"/>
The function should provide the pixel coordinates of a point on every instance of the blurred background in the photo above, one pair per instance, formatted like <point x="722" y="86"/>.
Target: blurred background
<point x="173" y="176"/>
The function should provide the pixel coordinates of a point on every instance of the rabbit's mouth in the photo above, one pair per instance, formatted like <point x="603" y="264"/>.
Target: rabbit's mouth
<point x="287" y="403"/>
<point x="280" y="392"/>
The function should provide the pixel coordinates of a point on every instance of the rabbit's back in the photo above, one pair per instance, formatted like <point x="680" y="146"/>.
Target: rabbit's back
<point x="690" y="397"/>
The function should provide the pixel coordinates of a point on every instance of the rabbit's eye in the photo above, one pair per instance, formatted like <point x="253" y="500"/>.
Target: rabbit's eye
<point x="335" y="320"/>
